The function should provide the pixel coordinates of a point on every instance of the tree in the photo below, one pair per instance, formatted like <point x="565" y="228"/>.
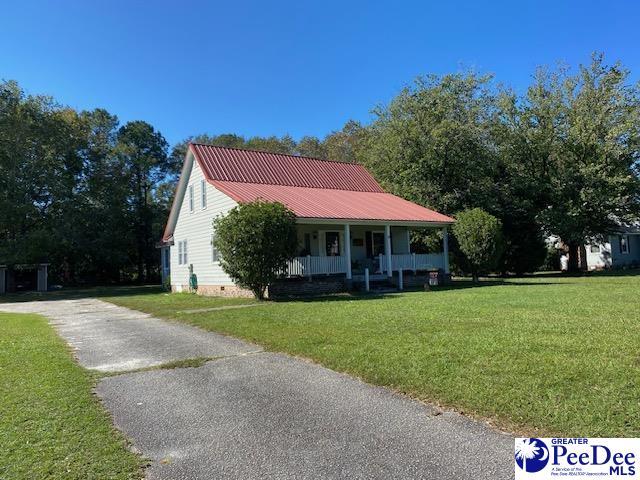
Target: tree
<point x="255" y="241"/>
<point x="432" y="143"/>
<point x="577" y="138"/>
<point x="309" y="146"/>
<point x="479" y="235"/>
<point x="143" y="152"/>
<point x="346" y="145"/>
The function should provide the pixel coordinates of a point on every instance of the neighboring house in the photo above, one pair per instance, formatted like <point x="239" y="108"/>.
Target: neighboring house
<point x="622" y="249"/>
<point x="346" y="222"/>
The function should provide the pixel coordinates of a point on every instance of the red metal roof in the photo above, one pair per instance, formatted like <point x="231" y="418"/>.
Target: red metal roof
<point x="308" y="202"/>
<point x="310" y="187"/>
<point x="235" y="165"/>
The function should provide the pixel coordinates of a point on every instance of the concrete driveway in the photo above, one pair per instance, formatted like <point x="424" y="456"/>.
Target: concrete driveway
<point x="253" y="414"/>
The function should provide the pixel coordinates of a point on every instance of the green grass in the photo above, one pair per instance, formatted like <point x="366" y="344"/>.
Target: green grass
<point x="51" y="425"/>
<point x="549" y="355"/>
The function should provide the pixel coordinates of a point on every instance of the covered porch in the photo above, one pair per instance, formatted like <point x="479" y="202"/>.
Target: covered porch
<point x="354" y="249"/>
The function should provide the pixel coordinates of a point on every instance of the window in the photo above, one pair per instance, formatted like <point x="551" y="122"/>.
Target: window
<point x="215" y="255"/>
<point x="203" y="194"/>
<point x="191" y="198"/>
<point x="182" y="252"/>
<point x="624" y="244"/>
<point x="595" y="248"/>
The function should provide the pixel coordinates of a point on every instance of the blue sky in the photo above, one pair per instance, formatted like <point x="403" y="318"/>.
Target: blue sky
<point x="263" y="68"/>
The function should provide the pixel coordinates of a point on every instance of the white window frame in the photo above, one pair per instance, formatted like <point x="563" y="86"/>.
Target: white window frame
<point x="191" y="201"/>
<point x="182" y="252"/>
<point x="626" y="244"/>
<point x="203" y="194"/>
<point x="215" y="254"/>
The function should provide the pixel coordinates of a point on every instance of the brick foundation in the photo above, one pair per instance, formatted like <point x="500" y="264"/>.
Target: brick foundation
<point x="218" y="291"/>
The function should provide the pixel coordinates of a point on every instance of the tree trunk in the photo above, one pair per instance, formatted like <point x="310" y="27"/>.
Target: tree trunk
<point x="572" y="266"/>
<point x="583" y="258"/>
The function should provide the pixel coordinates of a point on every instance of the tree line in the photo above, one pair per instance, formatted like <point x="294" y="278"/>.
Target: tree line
<point x="91" y="196"/>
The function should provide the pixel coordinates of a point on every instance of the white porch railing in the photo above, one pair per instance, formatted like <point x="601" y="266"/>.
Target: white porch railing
<point x="306" y="266"/>
<point x="412" y="261"/>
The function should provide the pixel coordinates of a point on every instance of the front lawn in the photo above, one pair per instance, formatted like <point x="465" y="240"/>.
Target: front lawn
<point x="51" y="426"/>
<point x="548" y="355"/>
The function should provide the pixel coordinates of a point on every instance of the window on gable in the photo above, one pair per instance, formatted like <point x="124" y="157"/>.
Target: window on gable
<point x="595" y="248"/>
<point x="203" y="194"/>
<point x="191" y="198"/>
<point x="624" y="244"/>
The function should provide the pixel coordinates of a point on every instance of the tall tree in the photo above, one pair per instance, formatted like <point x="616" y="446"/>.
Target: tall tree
<point x="143" y="152"/>
<point x="345" y="145"/>
<point x="578" y="137"/>
<point x="431" y="144"/>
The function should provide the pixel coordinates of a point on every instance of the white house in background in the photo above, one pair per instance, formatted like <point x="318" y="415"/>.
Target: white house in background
<point x="622" y="249"/>
<point x="346" y="222"/>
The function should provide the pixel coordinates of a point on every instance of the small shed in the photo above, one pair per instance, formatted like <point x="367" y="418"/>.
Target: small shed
<point x="24" y="277"/>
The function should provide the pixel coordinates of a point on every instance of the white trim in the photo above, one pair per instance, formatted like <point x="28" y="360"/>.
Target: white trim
<point x="387" y="249"/>
<point x="626" y="244"/>
<point x="393" y="223"/>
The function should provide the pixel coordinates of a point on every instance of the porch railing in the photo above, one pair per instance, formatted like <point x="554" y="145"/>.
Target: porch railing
<point x="306" y="266"/>
<point x="412" y="261"/>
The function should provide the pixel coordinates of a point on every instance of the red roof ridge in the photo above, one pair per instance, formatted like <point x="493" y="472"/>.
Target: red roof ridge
<point x="275" y="153"/>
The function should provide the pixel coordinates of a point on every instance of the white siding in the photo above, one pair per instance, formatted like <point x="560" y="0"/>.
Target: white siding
<point x="196" y="227"/>
<point x="599" y="259"/>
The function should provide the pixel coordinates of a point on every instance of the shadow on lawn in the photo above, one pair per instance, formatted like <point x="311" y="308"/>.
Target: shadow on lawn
<point x="373" y="295"/>
<point x="457" y="284"/>
<point x="80" y="293"/>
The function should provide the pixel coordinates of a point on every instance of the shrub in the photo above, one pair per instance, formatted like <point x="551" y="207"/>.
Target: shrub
<point x="255" y="241"/>
<point x="479" y="235"/>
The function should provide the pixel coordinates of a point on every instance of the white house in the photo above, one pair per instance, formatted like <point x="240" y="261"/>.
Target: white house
<point x="622" y="249"/>
<point x="347" y="223"/>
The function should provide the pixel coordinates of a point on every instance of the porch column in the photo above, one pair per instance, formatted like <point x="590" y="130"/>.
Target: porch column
<point x="387" y="248"/>
<point x="347" y="248"/>
<point x="445" y="249"/>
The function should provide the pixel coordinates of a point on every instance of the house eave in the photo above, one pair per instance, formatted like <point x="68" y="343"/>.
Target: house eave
<point x="352" y="221"/>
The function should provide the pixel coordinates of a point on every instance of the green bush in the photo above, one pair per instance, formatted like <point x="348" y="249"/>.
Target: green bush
<point x="479" y="235"/>
<point x="255" y="241"/>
